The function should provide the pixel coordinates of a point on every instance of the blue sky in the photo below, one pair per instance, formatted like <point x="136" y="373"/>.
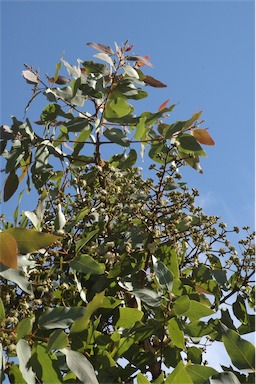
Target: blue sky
<point x="203" y="51"/>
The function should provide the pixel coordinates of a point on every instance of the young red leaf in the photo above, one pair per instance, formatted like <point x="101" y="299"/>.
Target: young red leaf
<point x="143" y="62"/>
<point x="8" y="250"/>
<point x="162" y="106"/>
<point x="149" y="80"/>
<point x="129" y="48"/>
<point x="202" y="136"/>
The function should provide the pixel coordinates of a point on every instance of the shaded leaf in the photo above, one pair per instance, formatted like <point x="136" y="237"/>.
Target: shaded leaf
<point x="24" y="328"/>
<point x="8" y="250"/>
<point x="10" y="186"/>
<point x="117" y="136"/>
<point x="163" y="274"/>
<point x="241" y="352"/>
<point x="60" y="317"/>
<point x="149" y="297"/>
<point x="188" y="144"/>
<point x="29" y="240"/>
<point x="2" y="310"/>
<point x="149" y="80"/>
<point x="49" y="372"/>
<point x="57" y="340"/>
<point x="181" y="305"/>
<point x="176" y="333"/>
<point x="15" y="375"/>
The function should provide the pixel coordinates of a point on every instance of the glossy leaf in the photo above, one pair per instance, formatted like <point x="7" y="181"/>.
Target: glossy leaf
<point x="179" y="375"/>
<point x="10" y="186"/>
<point x="223" y="378"/>
<point x="8" y="250"/>
<point x="241" y="352"/>
<point x="29" y="240"/>
<point x="60" y="220"/>
<point x="60" y="317"/>
<point x="197" y="310"/>
<point x="202" y="136"/>
<point x="30" y="77"/>
<point x="163" y="274"/>
<point x="24" y="355"/>
<point x="18" y="277"/>
<point x="49" y="372"/>
<point x="128" y="317"/>
<point x="86" y="264"/>
<point x="117" y="108"/>
<point x="105" y="57"/>
<point x="199" y="373"/>
<point x="188" y="144"/>
<point x="81" y="366"/>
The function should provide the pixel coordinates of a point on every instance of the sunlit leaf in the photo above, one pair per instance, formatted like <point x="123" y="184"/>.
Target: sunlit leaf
<point x="24" y="328"/>
<point x="58" y="339"/>
<point x="8" y="250"/>
<point x="24" y="355"/>
<point x="29" y="240"/>
<point x="179" y="375"/>
<point x="86" y="264"/>
<point x="117" y="108"/>
<point x="49" y="372"/>
<point x="128" y="317"/>
<point x="59" y="317"/>
<point x="18" y="277"/>
<point x="176" y="333"/>
<point x="30" y="77"/>
<point x="202" y="136"/>
<point x="162" y="106"/>
<point x="105" y="57"/>
<point x="223" y="378"/>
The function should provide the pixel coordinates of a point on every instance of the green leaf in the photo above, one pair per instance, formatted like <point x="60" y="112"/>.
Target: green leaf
<point x="2" y="310"/>
<point x="29" y="240"/>
<point x="11" y="185"/>
<point x="50" y="112"/>
<point x="117" y="108"/>
<point x="58" y="339"/>
<point x="175" y="332"/>
<point x="81" y="366"/>
<point x="241" y="352"/>
<point x="223" y="378"/>
<point x="163" y="274"/>
<point x="58" y="67"/>
<point x="141" y="379"/>
<point x="188" y="144"/>
<point x="77" y="124"/>
<point x="197" y="310"/>
<point x="123" y="161"/>
<point x="249" y="327"/>
<point x="24" y="328"/>
<point x="60" y="317"/>
<point x="117" y="136"/>
<point x="199" y="374"/>
<point x="192" y="160"/>
<point x="179" y="375"/>
<point x="239" y="310"/>
<point x="81" y="324"/>
<point x="181" y="305"/>
<point x="24" y="355"/>
<point x="141" y="128"/>
<point x="49" y="372"/>
<point x="8" y="250"/>
<point x="128" y="317"/>
<point x="92" y="67"/>
<point x="86" y="264"/>
<point x="194" y="355"/>
<point x="81" y="243"/>
<point x="197" y="329"/>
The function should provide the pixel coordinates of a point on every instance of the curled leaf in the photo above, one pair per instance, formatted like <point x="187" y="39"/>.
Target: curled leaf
<point x="202" y="136"/>
<point x="60" y="80"/>
<point x="30" y="77"/>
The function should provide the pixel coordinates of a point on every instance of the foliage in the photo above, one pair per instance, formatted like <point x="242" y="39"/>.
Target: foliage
<point x="115" y="277"/>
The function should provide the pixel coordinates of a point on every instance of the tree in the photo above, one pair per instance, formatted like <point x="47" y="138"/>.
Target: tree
<point x="115" y="277"/>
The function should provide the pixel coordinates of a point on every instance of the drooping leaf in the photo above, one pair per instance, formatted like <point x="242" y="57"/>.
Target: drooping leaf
<point x="141" y="128"/>
<point x="202" y="136"/>
<point x="59" y="80"/>
<point x="148" y="296"/>
<point x="163" y="274"/>
<point x="86" y="264"/>
<point x="60" y="220"/>
<point x="24" y="355"/>
<point x="60" y="317"/>
<point x="8" y="250"/>
<point x="18" y="277"/>
<point x="29" y="240"/>
<point x="117" y="136"/>
<point x="128" y="317"/>
<point x="239" y="309"/>
<point x="11" y="185"/>
<point x="105" y="57"/>
<point x="81" y="324"/>
<point x="241" y="352"/>
<point x="81" y="366"/>
<point x="149" y="80"/>
<point x="192" y="160"/>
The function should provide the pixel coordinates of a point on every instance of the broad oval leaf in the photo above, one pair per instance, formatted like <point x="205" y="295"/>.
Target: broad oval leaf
<point x="128" y="317"/>
<point x="175" y="332"/>
<point x="181" y="305"/>
<point x="149" y="80"/>
<point x="29" y="240"/>
<point x="116" y="135"/>
<point x="58" y="339"/>
<point x="202" y="136"/>
<point x="30" y="77"/>
<point x="8" y="250"/>
<point x="189" y="144"/>
<point x="197" y="310"/>
<point x="86" y="264"/>
<point x="10" y="186"/>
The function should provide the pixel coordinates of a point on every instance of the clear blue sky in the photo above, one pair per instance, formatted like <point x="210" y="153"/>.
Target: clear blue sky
<point x="203" y="51"/>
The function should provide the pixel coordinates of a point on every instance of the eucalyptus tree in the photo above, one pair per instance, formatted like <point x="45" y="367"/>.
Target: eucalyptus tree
<point x="116" y="276"/>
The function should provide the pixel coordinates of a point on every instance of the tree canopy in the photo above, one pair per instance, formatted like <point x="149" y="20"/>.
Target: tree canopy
<point x="116" y="276"/>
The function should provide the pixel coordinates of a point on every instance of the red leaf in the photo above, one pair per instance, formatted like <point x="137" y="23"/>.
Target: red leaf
<point x="153" y="82"/>
<point x="162" y="106"/>
<point x="129" y="48"/>
<point x="202" y="136"/>
<point x="142" y="63"/>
